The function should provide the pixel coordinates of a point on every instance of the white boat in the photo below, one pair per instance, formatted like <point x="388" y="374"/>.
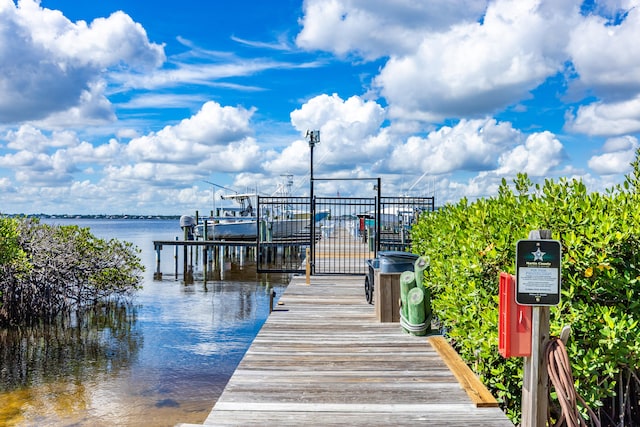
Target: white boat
<point x="242" y="223"/>
<point x="224" y="229"/>
<point x="231" y="223"/>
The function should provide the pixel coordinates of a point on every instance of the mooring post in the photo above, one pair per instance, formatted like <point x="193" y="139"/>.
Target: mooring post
<point x="308" y="266"/>
<point x="211" y="254"/>
<point x="158" y="274"/>
<point x="175" y="258"/>
<point x="221" y="261"/>
<point x="185" y="254"/>
<point x="205" y="261"/>
<point x="187" y="271"/>
<point x="272" y="295"/>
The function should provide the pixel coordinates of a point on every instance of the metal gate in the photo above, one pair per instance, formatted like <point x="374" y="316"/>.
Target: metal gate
<point x="344" y="233"/>
<point x="347" y="235"/>
<point x="284" y="234"/>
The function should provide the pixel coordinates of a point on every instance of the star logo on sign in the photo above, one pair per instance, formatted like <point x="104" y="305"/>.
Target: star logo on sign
<point x="538" y="255"/>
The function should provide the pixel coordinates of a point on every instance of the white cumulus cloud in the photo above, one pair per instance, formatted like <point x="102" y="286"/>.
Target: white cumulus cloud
<point x="200" y="137"/>
<point x="478" y="67"/>
<point x="472" y="145"/>
<point x="618" y="153"/>
<point x="49" y="64"/>
<point x="607" y="118"/>
<point x="348" y="128"/>
<point x="540" y="153"/>
<point x="605" y="55"/>
<point x="375" y="28"/>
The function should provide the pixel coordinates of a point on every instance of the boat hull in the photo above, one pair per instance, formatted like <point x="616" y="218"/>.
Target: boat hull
<point x="248" y="230"/>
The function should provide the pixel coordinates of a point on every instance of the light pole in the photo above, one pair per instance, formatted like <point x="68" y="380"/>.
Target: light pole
<point x="314" y="138"/>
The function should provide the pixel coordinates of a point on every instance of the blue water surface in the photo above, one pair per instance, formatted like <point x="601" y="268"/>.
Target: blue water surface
<point x="189" y="338"/>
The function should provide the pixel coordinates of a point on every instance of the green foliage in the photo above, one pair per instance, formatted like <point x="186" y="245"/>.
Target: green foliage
<point x="10" y="251"/>
<point x="11" y="254"/>
<point x="470" y="243"/>
<point x="56" y="269"/>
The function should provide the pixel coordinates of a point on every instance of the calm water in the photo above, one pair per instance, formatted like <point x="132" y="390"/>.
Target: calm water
<point x="162" y="360"/>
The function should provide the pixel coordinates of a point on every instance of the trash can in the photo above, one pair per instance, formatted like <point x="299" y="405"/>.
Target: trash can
<point x="396" y="261"/>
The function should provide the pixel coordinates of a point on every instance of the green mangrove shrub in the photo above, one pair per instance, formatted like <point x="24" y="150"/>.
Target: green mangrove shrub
<point x="10" y="250"/>
<point x="47" y="270"/>
<point x="469" y="244"/>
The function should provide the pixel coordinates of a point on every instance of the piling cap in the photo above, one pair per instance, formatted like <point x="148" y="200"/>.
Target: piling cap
<point x="408" y="277"/>
<point x="422" y="263"/>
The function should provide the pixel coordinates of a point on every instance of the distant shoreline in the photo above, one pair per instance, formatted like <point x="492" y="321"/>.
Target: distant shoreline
<point x="93" y="216"/>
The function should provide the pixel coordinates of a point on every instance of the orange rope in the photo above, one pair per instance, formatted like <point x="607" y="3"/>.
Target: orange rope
<point x="561" y="377"/>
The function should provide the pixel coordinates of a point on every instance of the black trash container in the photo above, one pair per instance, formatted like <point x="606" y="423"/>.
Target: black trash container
<point x="396" y="261"/>
<point x="387" y="262"/>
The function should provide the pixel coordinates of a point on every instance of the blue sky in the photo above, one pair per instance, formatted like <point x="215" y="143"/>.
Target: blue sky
<point x="125" y="106"/>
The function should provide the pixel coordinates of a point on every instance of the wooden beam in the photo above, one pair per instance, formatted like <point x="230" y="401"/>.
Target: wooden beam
<point x="477" y="392"/>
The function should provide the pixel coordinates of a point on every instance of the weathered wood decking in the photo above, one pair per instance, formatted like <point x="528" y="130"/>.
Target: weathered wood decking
<point x="323" y="359"/>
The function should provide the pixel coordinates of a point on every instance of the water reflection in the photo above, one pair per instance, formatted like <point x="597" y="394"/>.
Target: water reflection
<point x="162" y="360"/>
<point x="51" y="359"/>
<point x="106" y="335"/>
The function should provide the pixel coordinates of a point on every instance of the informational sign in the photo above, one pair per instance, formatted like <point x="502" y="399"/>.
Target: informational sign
<point x="538" y="272"/>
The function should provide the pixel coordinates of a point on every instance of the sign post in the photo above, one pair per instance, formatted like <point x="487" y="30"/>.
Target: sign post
<point x="537" y="284"/>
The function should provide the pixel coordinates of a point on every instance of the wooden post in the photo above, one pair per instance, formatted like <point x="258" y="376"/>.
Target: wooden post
<point x="158" y="274"/>
<point x="386" y="295"/>
<point x="535" y="383"/>
<point x="272" y="295"/>
<point x="205" y="261"/>
<point x="210" y="257"/>
<point x="205" y="225"/>
<point x="185" y="254"/>
<point x="308" y="266"/>
<point x="175" y="259"/>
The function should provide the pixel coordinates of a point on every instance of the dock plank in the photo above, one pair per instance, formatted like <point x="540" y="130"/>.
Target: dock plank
<point x="321" y="358"/>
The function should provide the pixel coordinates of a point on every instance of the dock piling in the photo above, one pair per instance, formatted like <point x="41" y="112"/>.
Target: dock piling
<point x="157" y="275"/>
<point x="272" y="296"/>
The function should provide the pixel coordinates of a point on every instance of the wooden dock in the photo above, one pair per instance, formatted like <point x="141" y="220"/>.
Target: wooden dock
<point x="323" y="359"/>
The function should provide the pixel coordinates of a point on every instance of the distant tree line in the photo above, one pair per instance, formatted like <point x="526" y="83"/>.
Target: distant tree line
<point x="46" y="270"/>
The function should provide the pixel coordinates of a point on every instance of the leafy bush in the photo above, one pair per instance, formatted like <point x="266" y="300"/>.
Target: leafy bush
<point x="10" y="251"/>
<point x="470" y="243"/>
<point x="53" y="269"/>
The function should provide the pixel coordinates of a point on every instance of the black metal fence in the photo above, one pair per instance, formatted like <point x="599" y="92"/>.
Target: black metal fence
<point x="284" y="233"/>
<point x="343" y="234"/>
<point x="347" y="235"/>
<point x="397" y="216"/>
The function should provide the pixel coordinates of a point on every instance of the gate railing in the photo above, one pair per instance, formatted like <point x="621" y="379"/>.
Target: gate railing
<point x="283" y="233"/>
<point x="343" y="234"/>
<point x="346" y="242"/>
<point x="397" y="216"/>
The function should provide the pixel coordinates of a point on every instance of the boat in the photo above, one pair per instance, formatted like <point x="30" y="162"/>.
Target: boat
<point x="243" y="223"/>
<point x="230" y="223"/>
